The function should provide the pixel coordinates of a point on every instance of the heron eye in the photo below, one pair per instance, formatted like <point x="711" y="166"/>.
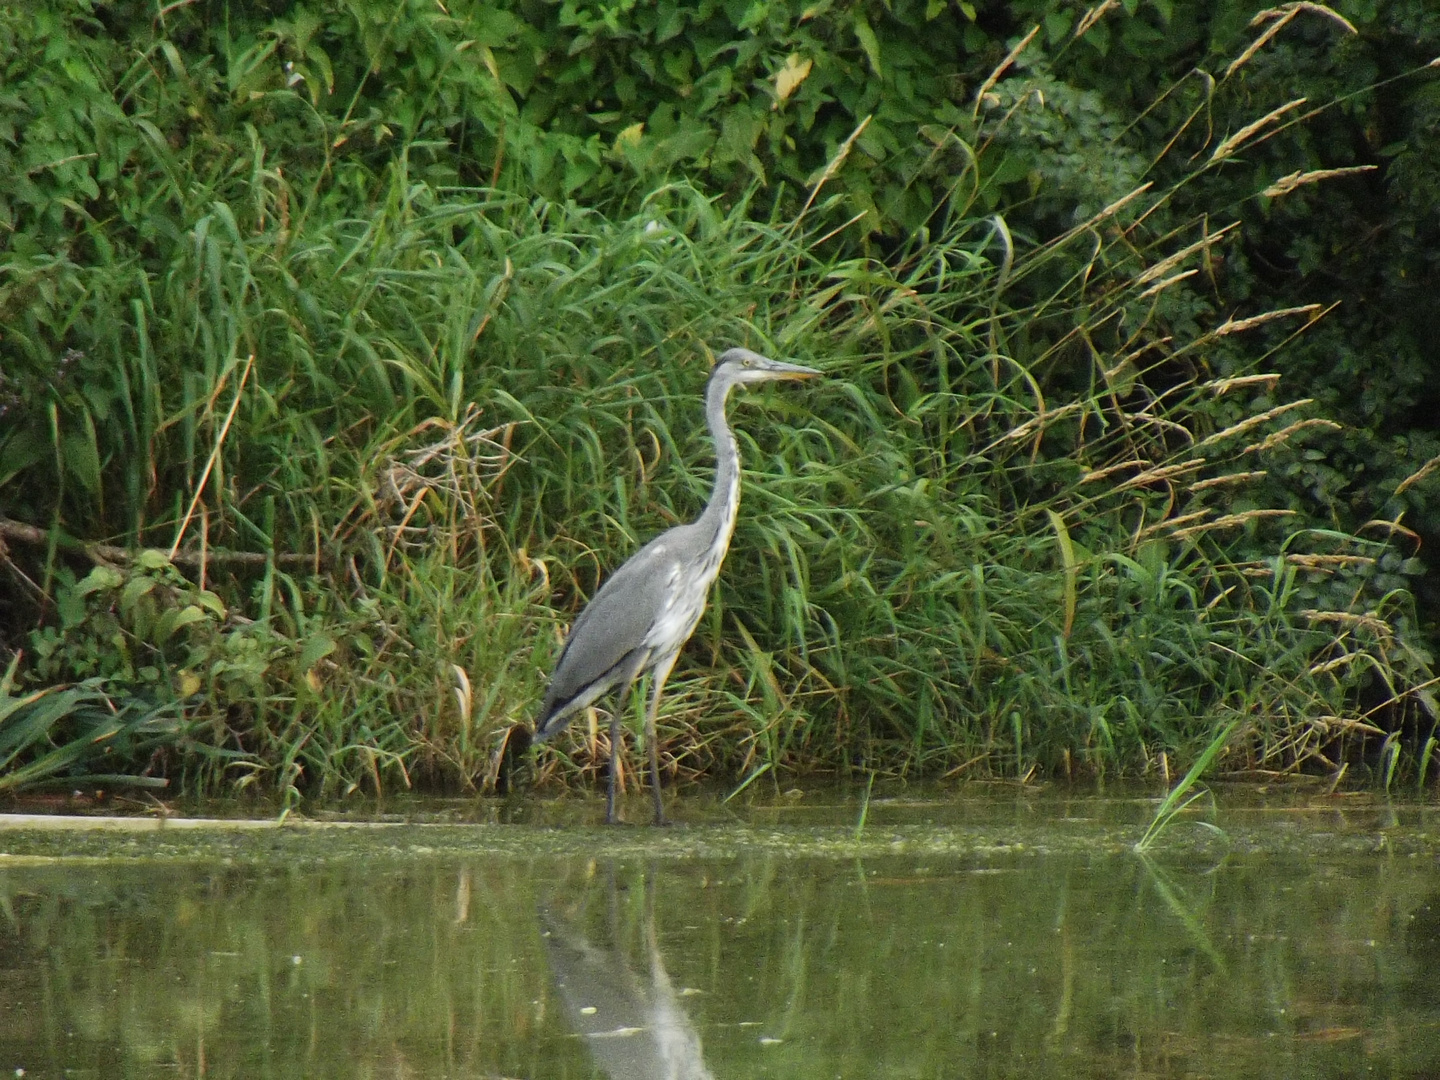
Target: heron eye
<point x="749" y="362"/>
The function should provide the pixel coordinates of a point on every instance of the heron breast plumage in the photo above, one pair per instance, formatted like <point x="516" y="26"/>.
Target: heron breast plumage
<point x="685" y="595"/>
<point x="687" y="582"/>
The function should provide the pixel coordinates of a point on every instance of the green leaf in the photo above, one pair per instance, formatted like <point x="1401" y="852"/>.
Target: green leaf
<point x="869" y="42"/>
<point x="1057" y="26"/>
<point x="493" y="26"/>
<point x="692" y="141"/>
<point x="1068" y="563"/>
<point x="670" y="23"/>
<point x="152" y="559"/>
<point x="317" y="646"/>
<point x="21" y="452"/>
<point x="101" y="577"/>
<point x="136" y="587"/>
<point x="739" y="131"/>
<point x="176" y="619"/>
<point x="82" y="460"/>
<point x="1012" y="167"/>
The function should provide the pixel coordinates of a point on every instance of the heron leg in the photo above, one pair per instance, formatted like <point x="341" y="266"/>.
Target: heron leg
<point x="661" y="673"/>
<point x="615" y="752"/>
<point x="615" y="713"/>
<point x="610" y="818"/>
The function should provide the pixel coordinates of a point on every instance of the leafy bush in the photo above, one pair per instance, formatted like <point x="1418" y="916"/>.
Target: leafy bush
<point x="266" y="319"/>
<point x="70" y="735"/>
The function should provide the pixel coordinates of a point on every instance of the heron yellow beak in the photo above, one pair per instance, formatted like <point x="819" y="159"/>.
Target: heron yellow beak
<point x="780" y="370"/>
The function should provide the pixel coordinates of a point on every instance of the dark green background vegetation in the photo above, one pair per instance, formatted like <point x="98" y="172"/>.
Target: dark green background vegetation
<point x="390" y="319"/>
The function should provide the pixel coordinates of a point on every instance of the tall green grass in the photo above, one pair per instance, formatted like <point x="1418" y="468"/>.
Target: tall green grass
<point x="403" y="431"/>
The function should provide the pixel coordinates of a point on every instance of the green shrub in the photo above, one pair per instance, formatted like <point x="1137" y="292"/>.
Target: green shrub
<point x="398" y="425"/>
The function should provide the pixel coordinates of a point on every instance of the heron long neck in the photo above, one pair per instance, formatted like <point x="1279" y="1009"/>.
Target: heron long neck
<point x="719" y="516"/>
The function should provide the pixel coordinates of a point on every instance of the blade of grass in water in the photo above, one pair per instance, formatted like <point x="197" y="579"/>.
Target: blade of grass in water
<point x="1181" y="797"/>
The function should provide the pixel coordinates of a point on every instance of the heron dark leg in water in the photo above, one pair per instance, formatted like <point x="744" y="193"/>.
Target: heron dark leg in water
<point x="614" y="756"/>
<point x="645" y="612"/>
<point x="615" y="728"/>
<point x="657" y="679"/>
<point x="659" y="673"/>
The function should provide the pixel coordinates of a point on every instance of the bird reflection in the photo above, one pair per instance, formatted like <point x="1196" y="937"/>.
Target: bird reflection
<point x="634" y="1027"/>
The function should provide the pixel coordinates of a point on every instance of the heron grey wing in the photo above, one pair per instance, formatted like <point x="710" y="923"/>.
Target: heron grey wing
<point x="614" y="623"/>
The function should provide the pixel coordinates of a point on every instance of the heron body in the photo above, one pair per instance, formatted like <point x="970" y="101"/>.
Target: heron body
<point x="645" y="612"/>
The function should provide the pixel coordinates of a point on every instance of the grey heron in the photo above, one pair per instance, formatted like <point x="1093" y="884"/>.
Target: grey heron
<point x="647" y="610"/>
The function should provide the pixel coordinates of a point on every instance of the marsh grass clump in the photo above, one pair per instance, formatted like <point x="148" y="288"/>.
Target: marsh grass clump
<point x="399" y="430"/>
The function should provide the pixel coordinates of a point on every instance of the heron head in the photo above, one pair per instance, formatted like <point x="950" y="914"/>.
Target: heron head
<point x="741" y="366"/>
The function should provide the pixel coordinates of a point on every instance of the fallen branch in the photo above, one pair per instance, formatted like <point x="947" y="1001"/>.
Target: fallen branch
<point x="110" y="553"/>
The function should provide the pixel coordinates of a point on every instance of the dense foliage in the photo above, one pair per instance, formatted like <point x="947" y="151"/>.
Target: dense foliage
<point x="305" y="301"/>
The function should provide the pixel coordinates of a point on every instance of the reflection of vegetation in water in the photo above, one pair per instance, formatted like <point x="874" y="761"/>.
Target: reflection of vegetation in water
<point x="310" y="973"/>
<point x="1003" y="964"/>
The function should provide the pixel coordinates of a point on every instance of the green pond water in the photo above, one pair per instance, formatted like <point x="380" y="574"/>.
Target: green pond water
<point x="999" y="935"/>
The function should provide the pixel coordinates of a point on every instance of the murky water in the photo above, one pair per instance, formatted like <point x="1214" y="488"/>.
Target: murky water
<point x="981" y="938"/>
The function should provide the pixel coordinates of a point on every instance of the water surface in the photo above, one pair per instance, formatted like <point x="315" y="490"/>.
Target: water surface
<point x="970" y="937"/>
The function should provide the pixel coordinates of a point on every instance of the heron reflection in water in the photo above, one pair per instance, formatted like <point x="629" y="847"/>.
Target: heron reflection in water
<point x="631" y="1022"/>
